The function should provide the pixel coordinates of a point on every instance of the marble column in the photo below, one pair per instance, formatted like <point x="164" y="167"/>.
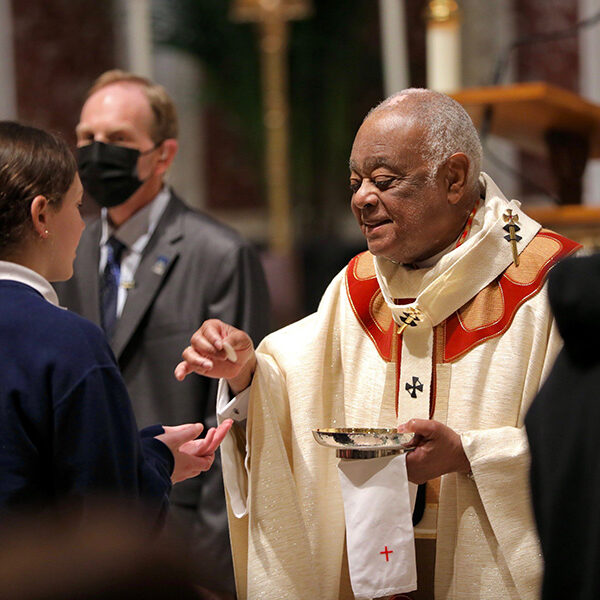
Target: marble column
<point x="134" y="25"/>
<point x="589" y="87"/>
<point x="394" y="46"/>
<point x="8" y="88"/>
<point x="182" y="75"/>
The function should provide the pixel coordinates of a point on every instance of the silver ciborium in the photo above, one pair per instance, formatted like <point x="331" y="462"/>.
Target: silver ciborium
<point x="363" y="442"/>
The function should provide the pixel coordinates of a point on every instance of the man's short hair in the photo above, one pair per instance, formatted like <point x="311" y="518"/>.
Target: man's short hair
<point x="447" y="128"/>
<point x="165" y="116"/>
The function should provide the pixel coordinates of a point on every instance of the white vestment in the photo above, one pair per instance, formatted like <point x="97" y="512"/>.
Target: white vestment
<point x="484" y="343"/>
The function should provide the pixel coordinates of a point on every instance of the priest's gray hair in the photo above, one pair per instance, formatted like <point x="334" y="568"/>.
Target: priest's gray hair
<point x="447" y="128"/>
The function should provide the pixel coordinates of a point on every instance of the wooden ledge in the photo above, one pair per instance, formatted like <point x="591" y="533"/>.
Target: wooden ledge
<point x="525" y="112"/>
<point x="572" y="215"/>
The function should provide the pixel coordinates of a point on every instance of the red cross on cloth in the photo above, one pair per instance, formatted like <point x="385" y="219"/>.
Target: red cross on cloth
<point x="387" y="553"/>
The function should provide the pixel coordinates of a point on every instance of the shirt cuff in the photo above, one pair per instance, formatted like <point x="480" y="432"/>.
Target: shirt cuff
<point x="235" y="408"/>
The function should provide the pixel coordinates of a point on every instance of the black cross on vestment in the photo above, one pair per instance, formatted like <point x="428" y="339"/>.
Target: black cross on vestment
<point x="416" y="386"/>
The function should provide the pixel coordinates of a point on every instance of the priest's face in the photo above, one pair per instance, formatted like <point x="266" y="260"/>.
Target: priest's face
<point x="401" y="208"/>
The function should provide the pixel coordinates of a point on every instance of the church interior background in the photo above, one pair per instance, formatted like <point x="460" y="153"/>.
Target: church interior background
<point x="271" y="92"/>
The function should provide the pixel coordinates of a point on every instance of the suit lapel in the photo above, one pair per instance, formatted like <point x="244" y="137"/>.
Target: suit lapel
<point x="158" y="258"/>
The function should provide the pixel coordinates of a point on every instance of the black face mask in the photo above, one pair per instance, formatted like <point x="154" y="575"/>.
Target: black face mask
<point x="109" y="172"/>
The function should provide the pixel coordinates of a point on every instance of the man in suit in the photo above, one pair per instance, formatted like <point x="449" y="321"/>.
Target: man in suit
<point x="149" y="271"/>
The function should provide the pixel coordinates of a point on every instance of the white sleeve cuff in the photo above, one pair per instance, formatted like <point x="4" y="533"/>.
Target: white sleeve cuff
<point x="234" y="451"/>
<point x="232" y="408"/>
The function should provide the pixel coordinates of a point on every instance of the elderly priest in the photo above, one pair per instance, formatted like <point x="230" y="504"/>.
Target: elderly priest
<point x="443" y="329"/>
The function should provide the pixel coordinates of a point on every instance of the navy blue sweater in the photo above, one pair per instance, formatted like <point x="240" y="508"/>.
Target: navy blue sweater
<point x="67" y="430"/>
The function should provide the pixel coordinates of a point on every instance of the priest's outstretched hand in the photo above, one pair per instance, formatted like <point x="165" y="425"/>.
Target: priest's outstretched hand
<point x="219" y="350"/>
<point x="437" y="450"/>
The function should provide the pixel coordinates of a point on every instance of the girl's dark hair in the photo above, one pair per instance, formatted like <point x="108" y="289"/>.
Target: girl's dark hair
<point x="32" y="162"/>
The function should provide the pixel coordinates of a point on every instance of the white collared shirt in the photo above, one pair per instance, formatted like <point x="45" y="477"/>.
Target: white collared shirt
<point x="134" y="234"/>
<point x="13" y="272"/>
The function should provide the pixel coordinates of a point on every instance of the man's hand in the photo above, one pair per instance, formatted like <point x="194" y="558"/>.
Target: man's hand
<point x="193" y="456"/>
<point x="208" y="355"/>
<point x="437" y="450"/>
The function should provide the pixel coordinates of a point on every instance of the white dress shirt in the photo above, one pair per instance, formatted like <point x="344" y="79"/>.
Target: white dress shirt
<point x="134" y="234"/>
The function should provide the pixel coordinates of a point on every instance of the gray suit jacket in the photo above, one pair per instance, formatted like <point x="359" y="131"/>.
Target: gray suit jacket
<point x="192" y="269"/>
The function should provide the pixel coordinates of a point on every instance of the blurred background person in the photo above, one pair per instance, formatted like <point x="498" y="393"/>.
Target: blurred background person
<point x="110" y="555"/>
<point x="68" y="431"/>
<point x="562" y="427"/>
<point x="149" y="271"/>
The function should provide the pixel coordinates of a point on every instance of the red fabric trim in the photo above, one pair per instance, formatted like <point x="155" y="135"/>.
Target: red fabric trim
<point x="467" y="229"/>
<point x="398" y="363"/>
<point x="361" y="294"/>
<point x="460" y="340"/>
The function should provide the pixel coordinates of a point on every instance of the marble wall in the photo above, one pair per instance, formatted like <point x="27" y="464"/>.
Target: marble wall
<point x="555" y="62"/>
<point x="59" y="48"/>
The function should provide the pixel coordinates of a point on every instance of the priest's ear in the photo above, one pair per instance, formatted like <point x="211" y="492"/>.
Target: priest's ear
<point x="457" y="172"/>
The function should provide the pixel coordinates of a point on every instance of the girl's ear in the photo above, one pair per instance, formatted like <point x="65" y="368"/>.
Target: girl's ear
<point x="39" y="215"/>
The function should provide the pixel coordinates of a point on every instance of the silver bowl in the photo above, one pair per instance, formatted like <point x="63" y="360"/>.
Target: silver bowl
<point x="363" y="442"/>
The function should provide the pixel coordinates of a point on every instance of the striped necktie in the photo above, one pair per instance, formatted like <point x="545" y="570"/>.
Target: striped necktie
<point x="109" y="285"/>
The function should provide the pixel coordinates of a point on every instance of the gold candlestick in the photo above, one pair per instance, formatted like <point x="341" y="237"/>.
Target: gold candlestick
<point x="272" y="17"/>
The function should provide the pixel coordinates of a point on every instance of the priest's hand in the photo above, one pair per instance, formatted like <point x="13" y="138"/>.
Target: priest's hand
<point x="193" y="456"/>
<point x="437" y="450"/>
<point x="219" y="350"/>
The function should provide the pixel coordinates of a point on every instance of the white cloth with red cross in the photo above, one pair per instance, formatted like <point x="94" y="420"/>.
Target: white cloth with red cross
<point x="379" y="531"/>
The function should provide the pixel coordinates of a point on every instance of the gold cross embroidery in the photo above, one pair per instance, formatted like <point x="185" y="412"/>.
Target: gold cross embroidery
<point x="410" y="317"/>
<point x="511" y="227"/>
